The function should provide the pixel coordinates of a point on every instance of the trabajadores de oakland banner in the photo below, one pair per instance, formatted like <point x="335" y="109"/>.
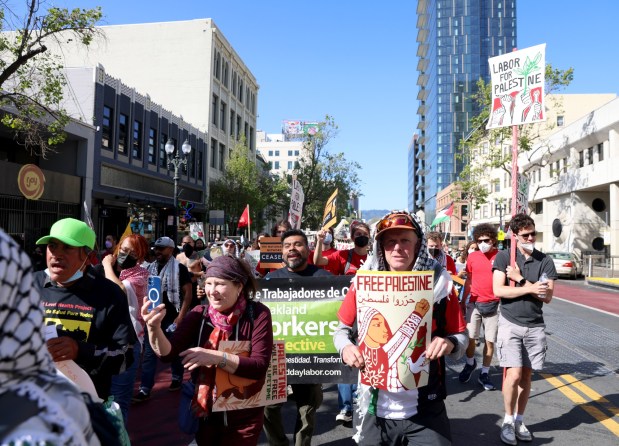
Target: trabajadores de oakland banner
<point x="304" y="314"/>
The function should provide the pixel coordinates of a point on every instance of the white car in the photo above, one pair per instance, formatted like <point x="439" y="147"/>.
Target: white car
<point x="566" y="264"/>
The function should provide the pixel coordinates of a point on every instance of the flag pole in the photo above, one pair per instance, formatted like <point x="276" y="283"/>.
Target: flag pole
<point x="248" y="224"/>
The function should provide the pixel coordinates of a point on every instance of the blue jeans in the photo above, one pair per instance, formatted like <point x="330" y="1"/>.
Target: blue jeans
<point x="345" y="396"/>
<point x="122" y="384"/>
<point x="149" y="365"/>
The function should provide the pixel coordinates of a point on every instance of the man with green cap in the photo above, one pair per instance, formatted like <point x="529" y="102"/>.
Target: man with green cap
<point x="86" y="315"/>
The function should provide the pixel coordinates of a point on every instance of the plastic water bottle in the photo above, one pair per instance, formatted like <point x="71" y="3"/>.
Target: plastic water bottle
<point x="543" y="279"/>
<point x="171" y="328"/>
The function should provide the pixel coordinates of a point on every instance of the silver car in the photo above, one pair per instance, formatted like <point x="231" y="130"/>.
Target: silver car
<point x="566" y="263"/>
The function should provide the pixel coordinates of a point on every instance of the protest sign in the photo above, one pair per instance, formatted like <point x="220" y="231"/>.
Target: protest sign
<point x="394" y="319"/>
<point x="329" y="217"/>
<point x="522" y="201"/>
<point x="296" y="204"/>
<point x="235" y="392"/>
<point x="271" y="252"/>
<point x="304" y="314"/>
<point x="517" y="80"/>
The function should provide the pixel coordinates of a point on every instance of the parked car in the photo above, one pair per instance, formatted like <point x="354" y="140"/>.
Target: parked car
<point x="567" y="264"/>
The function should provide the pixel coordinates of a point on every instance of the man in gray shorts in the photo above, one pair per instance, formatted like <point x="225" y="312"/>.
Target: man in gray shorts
<point x="521" y="340"/>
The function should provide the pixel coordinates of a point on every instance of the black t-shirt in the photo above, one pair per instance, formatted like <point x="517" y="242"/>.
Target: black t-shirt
<point x="309" y="271"/>
<point x="183" y="278"/>
<point x="526" y="310"/>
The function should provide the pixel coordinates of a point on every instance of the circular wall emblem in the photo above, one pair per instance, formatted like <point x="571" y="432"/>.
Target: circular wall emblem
<point x="31" y="181"/>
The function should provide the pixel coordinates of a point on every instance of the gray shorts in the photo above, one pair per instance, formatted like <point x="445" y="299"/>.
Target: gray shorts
<point x="474" y="320"/>
<point x="521" y="346"/>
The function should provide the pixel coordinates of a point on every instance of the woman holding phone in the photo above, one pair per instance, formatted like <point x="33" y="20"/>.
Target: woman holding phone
<point x="231" y="314"/>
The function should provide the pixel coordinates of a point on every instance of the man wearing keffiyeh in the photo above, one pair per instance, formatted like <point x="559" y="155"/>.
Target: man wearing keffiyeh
<point x="417" y="415"/>
<point x="177" y="293"/>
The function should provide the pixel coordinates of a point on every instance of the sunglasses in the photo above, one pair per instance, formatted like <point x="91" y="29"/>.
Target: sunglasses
<point x="528" y="235"/>
<point x="395" y="220"/>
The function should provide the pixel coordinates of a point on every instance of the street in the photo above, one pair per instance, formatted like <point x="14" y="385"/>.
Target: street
<point x="575" y="400"/>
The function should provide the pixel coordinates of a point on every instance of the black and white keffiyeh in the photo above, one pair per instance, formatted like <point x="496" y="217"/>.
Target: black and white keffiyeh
<point x="26" y="367"/>
<point x="169" y="280"/>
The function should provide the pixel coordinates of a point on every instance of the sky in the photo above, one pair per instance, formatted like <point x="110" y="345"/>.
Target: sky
<point x="356" y="61"/>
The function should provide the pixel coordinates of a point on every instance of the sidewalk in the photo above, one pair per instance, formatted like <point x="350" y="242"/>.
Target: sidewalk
<point x="605" y="282"/>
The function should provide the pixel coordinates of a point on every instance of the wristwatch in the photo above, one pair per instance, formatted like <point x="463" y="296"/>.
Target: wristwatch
<point x="522" y="282"/>
<point x="224" y="361"/>
<point x="455" y="342"/>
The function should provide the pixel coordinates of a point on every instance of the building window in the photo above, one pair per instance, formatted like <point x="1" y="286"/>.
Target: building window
<point x="276" y="165"/>
<point x="222" y="150"/>
<point x="214" y="108"/>
<point x="152" y="137"/>
<point x="497" y="185"/>
<point x="222" y="116"/>
<point x="123" y="133"/>
<point x="581" y="158"/>
<point x="277" y="153"/>
<point x="296" y="153"/>
<point x="590" y="155"/>
<point x="240" y="95"/>
<point x="560" y="121"/>
<point x="106" y="128"/>
<point x="601" y="151"/>
<point x="290" y="153"/>
<point x="234" y="83"/>
<point x="270" y="153"/>
<point x="289" y="165"/>
<point x="231" y="123"/>
<point x="218" y="65"/>
<point x="213" y="153"/>
<point x="162" y="155"/>
<point x="199" y="165"/>
<point x="238" y="126"/>
<point x="539" y="208"/>
<point x="136" y="152"/>
<point x="225" y="73"/>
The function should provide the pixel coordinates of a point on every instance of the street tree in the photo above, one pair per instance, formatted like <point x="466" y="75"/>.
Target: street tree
<point x="320" y="172"/>
<point x="243" y="183"/>
<point x="31" y="78"/>
<point x="482" y="150"/>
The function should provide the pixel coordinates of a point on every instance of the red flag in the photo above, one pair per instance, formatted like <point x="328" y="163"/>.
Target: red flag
<point x="244" y="220"/>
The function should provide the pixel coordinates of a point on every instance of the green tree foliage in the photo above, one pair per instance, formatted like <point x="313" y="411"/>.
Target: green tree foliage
<point x="243" y="183"/>
<point x="31" y="79"/>
<point x="483" y="150"/>
<point x="321" y="172"/>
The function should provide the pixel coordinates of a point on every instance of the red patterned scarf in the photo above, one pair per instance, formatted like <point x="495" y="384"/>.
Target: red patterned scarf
<point x="223" y="325"/>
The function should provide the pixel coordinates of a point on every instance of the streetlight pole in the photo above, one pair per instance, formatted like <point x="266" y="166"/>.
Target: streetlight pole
<point x="177" y="162"/>
<point x="500" y="208"/>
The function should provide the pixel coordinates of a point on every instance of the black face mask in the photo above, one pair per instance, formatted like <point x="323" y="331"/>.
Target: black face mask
<point x="362" y="241"/>
<point x="434" y="251"/>
<point x="187" y="249"/>
<point x="125" y="261"/>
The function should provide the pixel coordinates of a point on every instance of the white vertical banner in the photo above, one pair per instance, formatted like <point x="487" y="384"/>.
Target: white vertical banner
<point x="518" y="80"/>
<point x="296" y="204"/>
<point x="522" y="202"/>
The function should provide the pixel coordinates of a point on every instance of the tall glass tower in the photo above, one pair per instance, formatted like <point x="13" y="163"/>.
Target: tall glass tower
<point x="455" y="39"/>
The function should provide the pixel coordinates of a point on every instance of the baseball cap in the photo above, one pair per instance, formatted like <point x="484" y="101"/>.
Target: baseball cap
<point x="398" y="220"/>
<point x="164" y="242"/>
<point x="71" y="232"/>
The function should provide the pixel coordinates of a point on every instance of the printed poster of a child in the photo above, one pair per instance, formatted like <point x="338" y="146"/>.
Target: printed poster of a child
<point x="394" y="319"/>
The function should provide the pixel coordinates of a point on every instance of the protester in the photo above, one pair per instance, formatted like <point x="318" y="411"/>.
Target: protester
<point x="482" y="307"/>
<point x="89" y="313"/>
<point x="416" y="416"/>
<point x="345" y="262"/>
<point x="437" y="251"/>
<point x="37" y="405"/>
<point x="193" y="261"/>
<point x="308" y="397"/>
<point x="133" y="281"/>
<point x="38" y="259"/>
<point x="470" y="247"/>
<point x="230" y="248"/>
<point x="521" y="339"/>
<point x="110" y="246"/>
<point x="232" y="314"/>
<point x="176" y="296"/>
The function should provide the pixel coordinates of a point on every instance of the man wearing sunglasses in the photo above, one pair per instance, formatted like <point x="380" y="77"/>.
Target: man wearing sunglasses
<point x="483" y="306"/>
<point x="413" y="416"/>
<point x="521" y="340"/>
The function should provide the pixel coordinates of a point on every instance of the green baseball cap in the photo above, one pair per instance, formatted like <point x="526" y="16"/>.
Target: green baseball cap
<point x="71" y="232"/>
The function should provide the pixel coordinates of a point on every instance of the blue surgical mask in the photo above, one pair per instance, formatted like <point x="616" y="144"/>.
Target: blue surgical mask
<point x="328" y="239"/>
<point x="76" y="275"/>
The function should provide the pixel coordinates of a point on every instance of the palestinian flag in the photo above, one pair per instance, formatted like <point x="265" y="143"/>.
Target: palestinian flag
<point x="443" y="215"/>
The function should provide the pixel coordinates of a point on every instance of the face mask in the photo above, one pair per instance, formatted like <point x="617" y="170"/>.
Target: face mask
<point x="434" y="251"/>
<point x="108" y="244"/>
<point x="484" y="247"/>
<point x="362" y="241"/>
<point x="528" y="247"/>
<point x="471" y="251"/>
<point x="125" y="261"/>
<point x="328" y="239"/>
<point x="76" y="276"/>
<point x="187" y="249"/>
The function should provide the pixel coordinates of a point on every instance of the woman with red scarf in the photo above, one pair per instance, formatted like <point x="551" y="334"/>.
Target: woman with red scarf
<point x="126" y="259"/>
<point x="231" y="315"/>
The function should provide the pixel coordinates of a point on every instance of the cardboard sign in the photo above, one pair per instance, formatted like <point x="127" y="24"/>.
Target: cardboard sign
<point x="235" y="392"/>
<point x="329" y="217"/>
<point x="394" y="319"/>
<point x="271" y="252"/>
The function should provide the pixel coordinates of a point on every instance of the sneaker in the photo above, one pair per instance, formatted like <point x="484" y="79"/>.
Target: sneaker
<point x="345" y="416"/>
<point x="522" y="433"/>
<point x="467" y="371"/>
<point x="485" y="381"/>
<point x="174" y="385"/>
<point x="141" y="396"/>
<point x="508" y="435"/>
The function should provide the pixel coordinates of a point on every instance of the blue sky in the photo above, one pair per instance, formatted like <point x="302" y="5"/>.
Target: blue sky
<point x="356" y="62"/>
